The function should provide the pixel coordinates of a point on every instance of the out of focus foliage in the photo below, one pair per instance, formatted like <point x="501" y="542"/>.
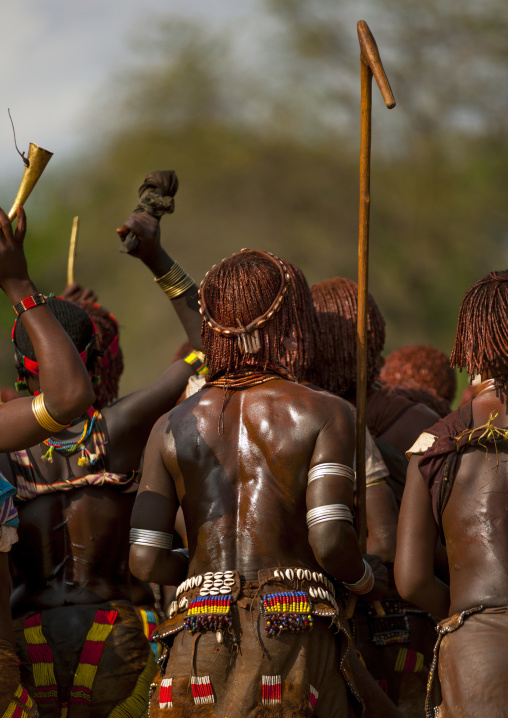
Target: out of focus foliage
<point x="266" y="150"/>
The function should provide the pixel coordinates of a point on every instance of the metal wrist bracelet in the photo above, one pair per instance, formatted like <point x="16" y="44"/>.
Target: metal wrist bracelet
<point x="175" y="282"/>
<point x="365" y="584"/>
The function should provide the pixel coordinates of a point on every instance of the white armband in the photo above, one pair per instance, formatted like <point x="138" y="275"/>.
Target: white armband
<point x="321" y="470"/>
<point x="330" y="512"/>
<point x="158" y="539"/>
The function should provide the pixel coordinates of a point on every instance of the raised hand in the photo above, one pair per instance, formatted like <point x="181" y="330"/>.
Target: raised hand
<point x="146" y="229"/>
<point x="13" y="266"/>
<point x="76" y="293"/>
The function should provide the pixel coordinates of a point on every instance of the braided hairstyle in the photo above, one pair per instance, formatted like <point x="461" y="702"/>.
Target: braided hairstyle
<point x="336" y="302"/>
<point x="73" y="319"/>
<point x="425" y="366"/>
<point x="481" y="339"/>
<point x="109" y="366"/>
<point x="237" y="291"/>
<point x="299" y="356"/>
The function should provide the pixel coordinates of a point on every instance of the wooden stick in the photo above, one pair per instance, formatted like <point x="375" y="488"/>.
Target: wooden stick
<point x="72" y="251"/>
<point x="370" y="65"/>
<point x="363" y="279"/>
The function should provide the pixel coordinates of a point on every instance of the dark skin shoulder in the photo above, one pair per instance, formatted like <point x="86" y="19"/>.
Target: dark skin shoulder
<point x="407" y="428"/>
<point x="243" y="485"/>
<point x="474" y="524"/>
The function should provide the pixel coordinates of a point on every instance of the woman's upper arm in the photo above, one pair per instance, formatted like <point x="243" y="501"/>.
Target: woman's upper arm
<point x="156" y="502"/>
<point x="417" y="534"/>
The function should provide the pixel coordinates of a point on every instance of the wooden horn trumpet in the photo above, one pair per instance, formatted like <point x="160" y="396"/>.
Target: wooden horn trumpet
<point x="36" y="162"/>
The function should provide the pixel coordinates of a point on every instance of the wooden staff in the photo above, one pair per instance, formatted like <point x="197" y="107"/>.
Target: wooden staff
<point x="370" y="65"/>
<point x="72" y="251"/>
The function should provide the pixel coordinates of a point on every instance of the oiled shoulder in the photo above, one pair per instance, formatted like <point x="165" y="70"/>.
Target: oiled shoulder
<point x="329" y="405"/>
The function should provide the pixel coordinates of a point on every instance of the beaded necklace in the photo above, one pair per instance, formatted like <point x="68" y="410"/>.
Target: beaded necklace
<point x="242" y="382"/>
<point x="66" y="448"/>
<point x="247" y="378"/>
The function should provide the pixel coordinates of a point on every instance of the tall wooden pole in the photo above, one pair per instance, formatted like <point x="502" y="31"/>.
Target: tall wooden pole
<point x="371" y="65"/>
<point x="363" y="283"/>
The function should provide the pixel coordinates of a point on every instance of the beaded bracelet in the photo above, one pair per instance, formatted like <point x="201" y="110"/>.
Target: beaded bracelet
<point x="175" y="282"/>
<point x="43" y="416"/>
<point x="29" y="303"/>
<point x="196" y="360"/>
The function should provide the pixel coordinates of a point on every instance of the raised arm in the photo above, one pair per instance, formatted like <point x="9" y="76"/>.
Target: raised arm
<point x="175" y="283"/>
<point x="330" y="499"/>
<point x="153" y="518"/>
<point x="416" y="543"/>
<point x="67" y="391"/>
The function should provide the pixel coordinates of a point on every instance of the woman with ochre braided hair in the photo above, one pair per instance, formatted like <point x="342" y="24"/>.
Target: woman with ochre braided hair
<point x="457" y="484"/>
<point x="397" y="648"/>
<point x="421" y="366"/>
<point x="394" y="419"/>
<point x="67" y="392"/>
<point x="81" y="645"/>
<point x="248" y="458"/>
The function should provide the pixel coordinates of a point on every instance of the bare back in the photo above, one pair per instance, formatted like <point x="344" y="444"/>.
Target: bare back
<point x="73" y="543"/>
<point x="475" y="520"/>
<point x="243" y="491"/>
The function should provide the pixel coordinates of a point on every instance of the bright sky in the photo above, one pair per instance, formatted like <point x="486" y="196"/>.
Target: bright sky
<point x="57" y="53"/>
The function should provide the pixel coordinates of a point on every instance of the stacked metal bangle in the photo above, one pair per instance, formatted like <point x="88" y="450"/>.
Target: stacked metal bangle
<point x="158" y="539"/>
<point x="330" y="512"/>
<point x="321" y="470"/>
<point x="175" y="282"/>
<point x="365" y="584"/>
<point x="43" y="416"/>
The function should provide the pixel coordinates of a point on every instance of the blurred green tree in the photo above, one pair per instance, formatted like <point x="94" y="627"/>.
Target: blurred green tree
<point x="267" y="156"/>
